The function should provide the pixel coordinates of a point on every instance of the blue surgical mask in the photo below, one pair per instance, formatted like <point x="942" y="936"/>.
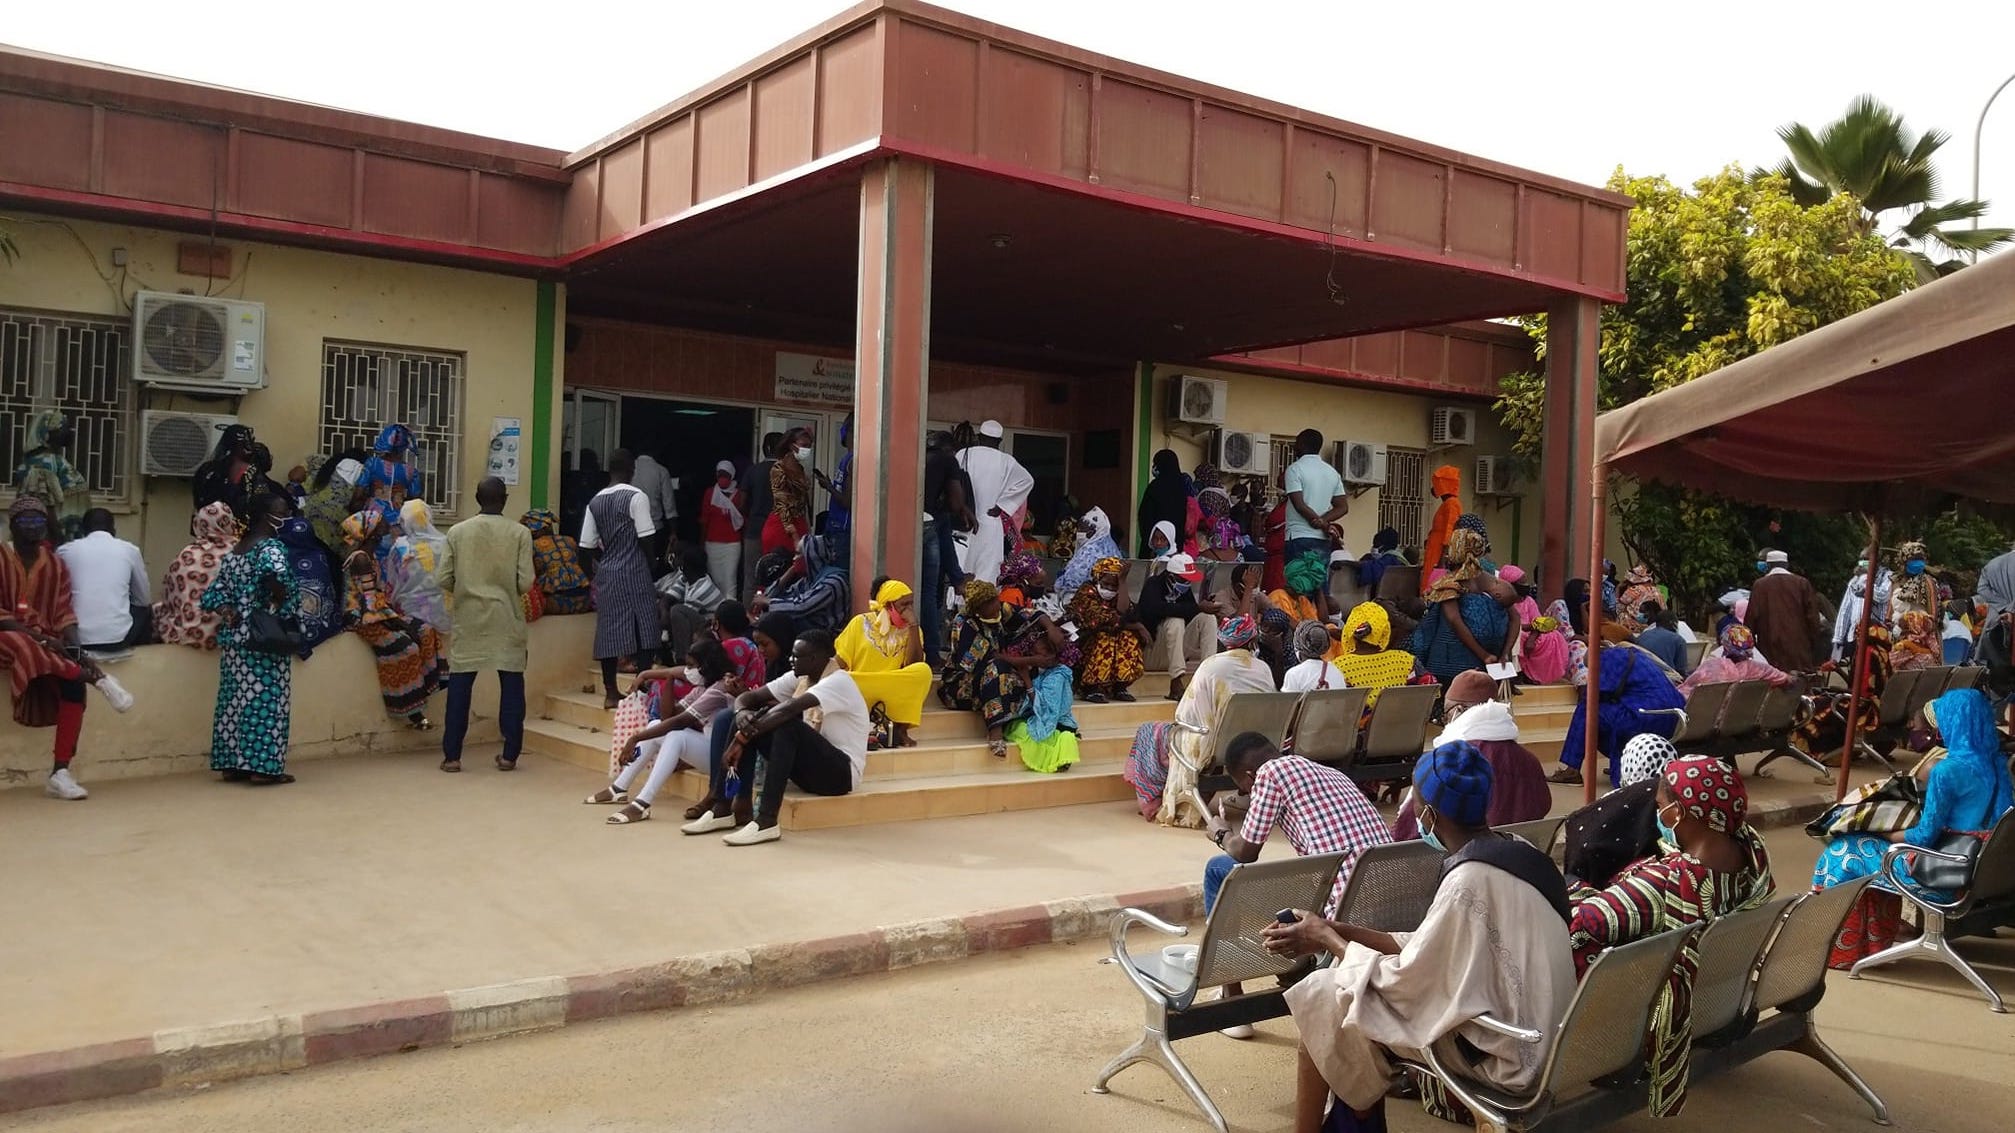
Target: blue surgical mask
<point x="1428" y="837"/>
<point x="1914" y="566"/>
<point x="1177" y="589"/>
<point x="1762" y="567"/>
<point x="1666" y="833"/>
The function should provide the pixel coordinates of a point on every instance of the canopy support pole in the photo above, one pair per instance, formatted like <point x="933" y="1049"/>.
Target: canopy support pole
<point x="1598" y="516"/>
<point x="1860" y="686"/>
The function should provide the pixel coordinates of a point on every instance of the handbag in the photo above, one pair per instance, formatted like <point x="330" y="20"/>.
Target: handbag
<point x="1882" y="807"/>
<point x="632" y="713"/>
<point x="268" y="632"/>
<point x="1939" y="873"/>
<point x="535" y="603"/>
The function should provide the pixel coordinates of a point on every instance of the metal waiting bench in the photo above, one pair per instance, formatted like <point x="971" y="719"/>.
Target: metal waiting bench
<point x="1760" y="975"/>
<point x="1326" y="729"/>
<point x="1396" y="733"/>
<point x="1232" y="951"/>
<point x="1391" y="886"/>
<point x="1988" y="898"/>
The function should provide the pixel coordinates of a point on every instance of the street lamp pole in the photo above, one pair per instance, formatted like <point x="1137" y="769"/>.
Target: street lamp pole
<point x="1978" y="127"/>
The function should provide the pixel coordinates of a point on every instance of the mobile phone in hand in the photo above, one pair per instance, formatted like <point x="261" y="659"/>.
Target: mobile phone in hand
<point x="1286" y="916"/>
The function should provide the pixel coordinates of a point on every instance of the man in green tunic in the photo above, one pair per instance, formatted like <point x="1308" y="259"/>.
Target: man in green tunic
<point x="486" y="575"/>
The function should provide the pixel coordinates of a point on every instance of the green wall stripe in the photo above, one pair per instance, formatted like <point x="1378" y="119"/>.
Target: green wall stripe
<point x="542" y="390"/>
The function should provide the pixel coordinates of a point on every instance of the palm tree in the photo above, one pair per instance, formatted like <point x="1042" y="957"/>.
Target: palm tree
<point x="1870" y="153"/>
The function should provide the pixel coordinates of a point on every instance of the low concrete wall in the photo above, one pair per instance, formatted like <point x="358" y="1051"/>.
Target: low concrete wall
<point x="336" y="708"/>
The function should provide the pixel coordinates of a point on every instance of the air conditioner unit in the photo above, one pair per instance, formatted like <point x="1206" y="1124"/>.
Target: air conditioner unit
<point x="1360" y="462"/>
<point x="1496" y="476"/>
<point x="1197" y="401"/>
<point x="1451" y="426"/>
<point x="195" y="343"/>
<point x="1242" y="454"/>
<point x="174" y="444"/>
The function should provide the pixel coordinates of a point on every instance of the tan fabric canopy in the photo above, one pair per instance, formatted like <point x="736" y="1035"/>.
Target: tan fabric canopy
<point x="1901" y="406"/>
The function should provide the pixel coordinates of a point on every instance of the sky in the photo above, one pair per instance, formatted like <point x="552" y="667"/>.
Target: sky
<point x="1566" y="87"/>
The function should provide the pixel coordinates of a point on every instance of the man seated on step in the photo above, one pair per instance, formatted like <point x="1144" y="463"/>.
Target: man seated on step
<point x="808" y="727"/>
<point x="1320" y="809"/>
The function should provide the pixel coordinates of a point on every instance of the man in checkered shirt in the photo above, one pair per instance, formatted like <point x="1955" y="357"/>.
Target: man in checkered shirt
<point x="1319" y="809"/>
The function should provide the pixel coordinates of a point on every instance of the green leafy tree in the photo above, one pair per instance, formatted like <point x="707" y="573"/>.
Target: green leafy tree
<point x="1869" y="154"/>
<point x="1718" y="271"/>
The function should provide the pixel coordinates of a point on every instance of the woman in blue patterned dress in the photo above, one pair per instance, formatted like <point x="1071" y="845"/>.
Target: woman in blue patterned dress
<point x="248" y="740"/>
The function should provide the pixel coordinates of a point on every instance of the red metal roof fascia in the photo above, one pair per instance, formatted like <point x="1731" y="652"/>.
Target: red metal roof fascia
<point x="287" y="231"/>
<point x="1183" y="87"/>
<point x="850" y="20"/>
<point x="1301" y="371"/>
<point x="1222" y="219"/>
<point x="99" y="84"/>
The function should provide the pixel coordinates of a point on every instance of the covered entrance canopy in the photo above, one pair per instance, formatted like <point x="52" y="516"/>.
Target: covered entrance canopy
<point x="925" y="184"/>
<point x="1905" y="405"/>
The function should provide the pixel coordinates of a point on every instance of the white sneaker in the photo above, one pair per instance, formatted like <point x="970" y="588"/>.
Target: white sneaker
<point x="753" y="835"/>
<point x="708" y="823"/>
<point x="63" y="785"/>
<point x="1241" y="1030"/>
<point x="115" y="693"/>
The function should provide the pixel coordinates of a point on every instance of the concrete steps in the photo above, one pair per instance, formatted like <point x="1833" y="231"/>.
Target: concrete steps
<point x="949" y="773"/>
<point x="1543" y="713"/>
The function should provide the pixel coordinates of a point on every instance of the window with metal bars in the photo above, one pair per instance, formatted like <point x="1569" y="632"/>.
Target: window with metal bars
<point x="366" y="387"/>
<point x="1402" y="502"/>
<point x="78" y="364"/>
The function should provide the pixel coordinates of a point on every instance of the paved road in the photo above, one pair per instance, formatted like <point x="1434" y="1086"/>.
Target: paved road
<point x="1009" y="1043"/>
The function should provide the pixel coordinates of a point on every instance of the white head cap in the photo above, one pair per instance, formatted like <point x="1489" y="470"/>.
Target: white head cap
<point x="1776" y="557"/>
<point x="349" y="472"/>
<point x="992" y="428"/>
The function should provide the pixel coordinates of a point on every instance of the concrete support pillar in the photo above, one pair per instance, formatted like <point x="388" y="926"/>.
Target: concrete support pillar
<point x="1573" y="334"/>
<point x="892" y="320"/>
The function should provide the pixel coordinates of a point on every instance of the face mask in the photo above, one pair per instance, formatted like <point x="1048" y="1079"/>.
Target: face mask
<point x="1667" y="833"/>
<point x="1433" y="842"/>
<point x="1108" y="593"/>
<point x="1762" y="567"/>
<point x="1914" y="566"/>
<point x="804" y="455"/>
<point x="724" y="481"/>
<point x="896" y="618"/>
<point x="1177" y="589"/>
<point x="992" y="621"/>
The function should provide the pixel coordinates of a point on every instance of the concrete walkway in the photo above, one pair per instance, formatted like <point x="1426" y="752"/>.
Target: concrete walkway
<point x="1009" y="1043"/>
<point x="180" y="901"/>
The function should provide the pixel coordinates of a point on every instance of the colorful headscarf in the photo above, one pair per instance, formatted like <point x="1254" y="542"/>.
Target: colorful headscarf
<point x="1019" y="568"/>
<point x="1709" y="790"/>
<point x="1472" y="522"/>
<point x="1276" y="619"/>
<point x="1644" y="757"/>
<point x="393" y="440"/>
<point x="1108" y="567"/>
<point x="1213" y="501"/>
<point x="31" y="505"/>
<point x="43" y="424"/>
<point x="1738" y="642"/>
<point x="1307" y="572"/>
<point x="1237" y="633"/>
<point x="361" y="526"/>
<point x="1455" y="780"/>
<point x="1369" y="623"/>
<point x="1465" y="547"/>
<point x="1093" y="547"/>
<point x="978" y="592"/>
<point x="1916" y="634"/>
<point x="1206" y="477"/>
<point x="1911" y="550"/>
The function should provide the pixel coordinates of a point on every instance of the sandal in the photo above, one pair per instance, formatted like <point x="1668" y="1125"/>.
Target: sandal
<point x="420" y="723"/>
<point x="234" y="775"/>
<point x="998" y="748"/>
<point x="631" y="812"/>
<point x="608" y="796"/>
<point x="1123" y="696"/>
<point x="506" y="764"/>
<point x="1565" y="774"/>
<point x="1094" y="698"/>
<point x="451" y="765"/>
<point x="258" y="780"/>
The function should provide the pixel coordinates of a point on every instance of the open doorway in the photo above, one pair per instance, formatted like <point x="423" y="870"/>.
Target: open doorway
<point x="689" y="438"/>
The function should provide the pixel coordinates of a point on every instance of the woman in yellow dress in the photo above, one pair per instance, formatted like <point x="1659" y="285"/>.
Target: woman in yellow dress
<point x="1367" y="661"/>
<point x="883" y="651"/>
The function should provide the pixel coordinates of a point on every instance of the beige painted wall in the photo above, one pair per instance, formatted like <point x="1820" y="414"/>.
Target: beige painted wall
<point x="1284" y="406"/>
<point x="336" y="709"/>
<point x="65" y="265"/>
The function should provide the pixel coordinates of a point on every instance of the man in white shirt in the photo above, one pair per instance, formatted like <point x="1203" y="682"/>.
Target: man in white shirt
<point x="1316" y="497"/>
<point x="1001" y="488"/>
<point x="658" y="487"/>
<point x="108" y="584"/>
<point x="810" y="726"/>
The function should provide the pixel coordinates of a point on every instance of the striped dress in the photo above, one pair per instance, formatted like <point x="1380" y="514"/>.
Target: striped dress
<point x="626" y="604"/>
<point x="1656" y="895"/>
<point x="411" y="664"/>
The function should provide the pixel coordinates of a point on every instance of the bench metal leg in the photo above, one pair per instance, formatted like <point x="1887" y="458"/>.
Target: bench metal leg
<point x="1812" y="1046"/>
<point x="1153" y="1046"/>
<point x="1868" y="749"/>
<point x="1934" y="944"/>
<point x="1790" y="751"/>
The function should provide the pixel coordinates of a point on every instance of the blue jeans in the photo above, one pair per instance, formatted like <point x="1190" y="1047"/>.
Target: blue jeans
<point x="1214" y="872"/>
<point x="938" y="551"/>
<point x="1295" y="548"/>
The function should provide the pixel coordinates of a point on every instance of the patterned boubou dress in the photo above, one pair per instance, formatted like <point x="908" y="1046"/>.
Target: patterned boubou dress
<point x="253" y="688"/>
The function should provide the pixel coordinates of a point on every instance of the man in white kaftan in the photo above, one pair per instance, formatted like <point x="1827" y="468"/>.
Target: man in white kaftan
<point x="1001" y="488"/>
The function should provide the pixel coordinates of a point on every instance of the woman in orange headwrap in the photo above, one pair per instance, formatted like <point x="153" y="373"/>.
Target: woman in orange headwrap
<point x="1447" y="484"/>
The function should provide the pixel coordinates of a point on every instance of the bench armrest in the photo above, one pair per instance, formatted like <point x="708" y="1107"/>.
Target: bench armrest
<point x="1126" y="919"/>
<point x="1896" y="878"/>
<point x="1679" y="712"/>
<point x="1522" y="1034"/>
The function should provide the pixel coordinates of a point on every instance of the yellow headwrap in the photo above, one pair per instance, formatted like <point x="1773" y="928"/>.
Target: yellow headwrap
<point x="1373" y="615"/>
<point x="891" y="592"/>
